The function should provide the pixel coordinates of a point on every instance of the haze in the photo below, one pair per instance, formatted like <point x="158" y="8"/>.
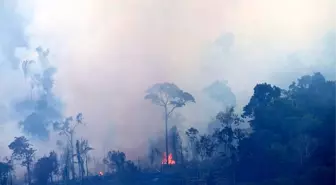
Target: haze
<point x="108" y="52"/>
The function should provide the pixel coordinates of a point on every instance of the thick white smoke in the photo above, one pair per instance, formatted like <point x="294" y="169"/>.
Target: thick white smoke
<point x="109" y="51"/>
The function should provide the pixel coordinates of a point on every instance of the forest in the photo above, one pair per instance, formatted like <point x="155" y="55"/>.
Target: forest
<point x="290" y="140"/>
<point x="167" y="92"/>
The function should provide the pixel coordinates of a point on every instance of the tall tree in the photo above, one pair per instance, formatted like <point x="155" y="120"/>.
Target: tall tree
<point x="23" y="151"/>
<point x="227" y="139"/>
<point x="225" y="136"/>
<point x="80" y="162"/>
<point x="82" y="150"/>
<point x="170" y="97"/>
<point x="68" y="128"/>
<point x="193" y="137"/>
<point x="66" y="160"/>
<point x="54" y="164"/>
<point x="85" y="148"/>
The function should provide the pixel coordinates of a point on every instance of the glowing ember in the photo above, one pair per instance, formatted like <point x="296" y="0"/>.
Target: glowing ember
<point x="100" y="173"/>
<point x="170" y="159"/>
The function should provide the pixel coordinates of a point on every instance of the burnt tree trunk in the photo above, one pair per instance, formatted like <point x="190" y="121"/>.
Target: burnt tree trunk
<point x="166" y="124"/>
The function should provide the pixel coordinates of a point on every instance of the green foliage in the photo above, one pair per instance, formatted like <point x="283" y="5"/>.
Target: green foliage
<point x="290" y="131"/>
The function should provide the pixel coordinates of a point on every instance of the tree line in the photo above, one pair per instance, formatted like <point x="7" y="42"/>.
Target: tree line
<point x="290" y="140"/>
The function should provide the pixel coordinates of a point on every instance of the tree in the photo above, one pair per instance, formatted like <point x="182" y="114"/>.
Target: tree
<point x="23" y="152"/>
<point x="130" y="167"/>
<point x="85" y="149"/>
<point x="115" y="160"/>
<point x="193" y="137"/>
<point x="80" y="162"/>
<point x="54" y="165"/>
<point x="68" y="128"/>
<point x="225" y="136"/>
<point x="5" y="169"/>
<point x="293" y="138"/>
<point x="153" y="154"/>
<point x="205" y="147"/>
<point x="170" y="97"/>
<point x="226" y="140"/>
<point x="45" y="168"/>
<point x="266" y="149"/>
<point x="176" y="144"/>
<point x="82" y="149"/>
<point x="66" y="160"/>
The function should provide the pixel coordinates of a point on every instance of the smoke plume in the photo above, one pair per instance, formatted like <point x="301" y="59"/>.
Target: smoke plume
<point x="108" y="52"/>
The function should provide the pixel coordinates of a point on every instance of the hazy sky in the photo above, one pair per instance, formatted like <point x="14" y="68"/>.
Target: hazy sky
<point x="108" y="52"/>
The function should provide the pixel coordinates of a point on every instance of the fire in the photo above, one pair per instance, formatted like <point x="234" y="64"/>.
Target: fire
<point x="170" y="159"/>
<point x="100" y="173"/>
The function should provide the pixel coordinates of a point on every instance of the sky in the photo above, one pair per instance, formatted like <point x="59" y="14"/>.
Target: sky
<point x="108" y="52"/>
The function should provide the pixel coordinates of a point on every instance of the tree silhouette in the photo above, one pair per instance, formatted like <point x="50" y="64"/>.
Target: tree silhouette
<point x="115" y="159"/>
<point x="205" y="146"/>
<point x="170" y="97"/>
<point x="193" y="137"/>
<point x="45" y="168"/>
<point x="176" y="144"/>
<point x="82" y="150"/>
<point x="23" y="152"/>
<point x="68" y="128"/>
<point x="153" y="154"/>
<point x="5" y="169"/>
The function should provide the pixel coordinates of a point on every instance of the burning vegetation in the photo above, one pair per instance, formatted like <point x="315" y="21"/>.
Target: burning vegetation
<point x="171" y="161"/>
<point x="228" y="155"/>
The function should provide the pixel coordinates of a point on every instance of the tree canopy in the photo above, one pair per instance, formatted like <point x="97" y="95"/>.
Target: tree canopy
<point x="291" y="140"/>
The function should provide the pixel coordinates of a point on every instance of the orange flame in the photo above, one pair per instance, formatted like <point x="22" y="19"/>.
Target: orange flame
<point x="170" y="159"/>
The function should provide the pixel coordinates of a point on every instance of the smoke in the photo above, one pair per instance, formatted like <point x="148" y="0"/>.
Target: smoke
<point x="108" y="52"/>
